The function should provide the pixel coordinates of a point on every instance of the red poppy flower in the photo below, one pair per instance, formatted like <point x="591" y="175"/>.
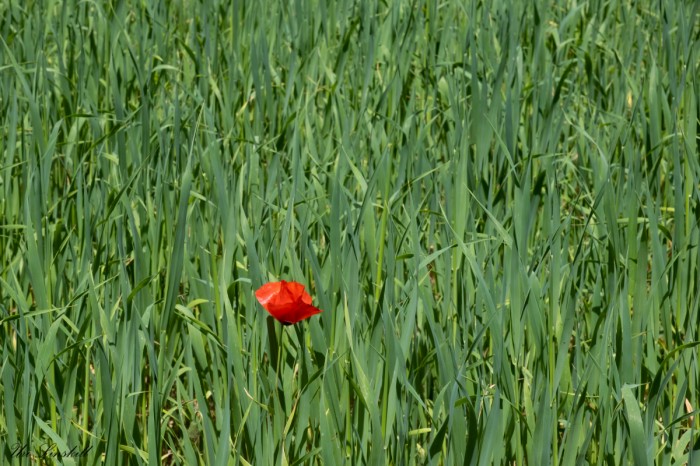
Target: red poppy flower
<point x="287" y="302"/>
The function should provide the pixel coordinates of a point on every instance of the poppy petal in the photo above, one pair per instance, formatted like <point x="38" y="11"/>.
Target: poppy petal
<point x="296" y="290"/>
<point x="287" y="302"/>
<point x="296" y="313"/>
<point x="267" y="292"/>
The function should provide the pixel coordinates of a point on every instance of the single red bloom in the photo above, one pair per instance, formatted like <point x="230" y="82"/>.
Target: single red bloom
<point x="287" y="302"/>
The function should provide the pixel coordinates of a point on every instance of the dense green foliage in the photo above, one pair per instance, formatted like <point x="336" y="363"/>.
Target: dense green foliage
<point x="496" y="205"/>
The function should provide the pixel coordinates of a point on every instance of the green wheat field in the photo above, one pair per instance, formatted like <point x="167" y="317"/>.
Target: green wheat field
<point x="496" y="205"/>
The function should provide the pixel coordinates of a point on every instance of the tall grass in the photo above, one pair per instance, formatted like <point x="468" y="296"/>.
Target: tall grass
<point x="496" y="205"/>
